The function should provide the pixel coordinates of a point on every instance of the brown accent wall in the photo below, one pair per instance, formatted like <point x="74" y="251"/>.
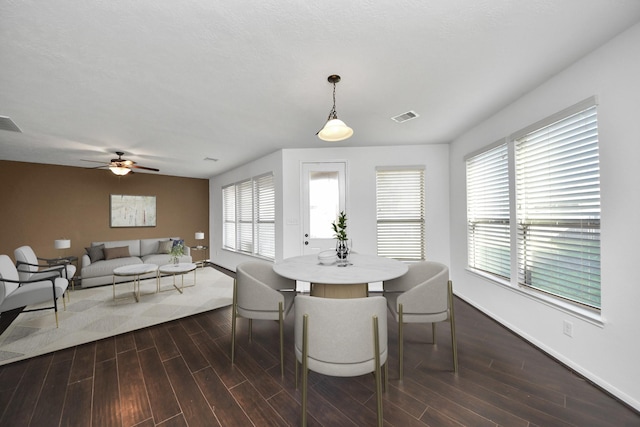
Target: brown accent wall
<point x="40" y="203"/>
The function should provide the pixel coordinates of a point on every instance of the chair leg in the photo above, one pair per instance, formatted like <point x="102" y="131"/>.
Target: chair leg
<point x="281" y="321"/>
<point x="400" y="343"/>
<point x="433" y="332"/>
<point x="234" y="306"/>
<point x="378" y="371"/>
<point x="250" y="330"/>
<point x="452" y="321"/>
<point x="305" y="367"/>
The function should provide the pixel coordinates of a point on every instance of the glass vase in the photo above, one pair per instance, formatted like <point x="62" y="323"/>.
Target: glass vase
<point x="342" y="252"/>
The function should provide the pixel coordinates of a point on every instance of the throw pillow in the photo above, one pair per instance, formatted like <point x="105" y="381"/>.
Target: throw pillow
<point x="117" y="252"/>
<point x="164" y="246"/>
<point x="96" y="253"/>
<point x="178" y="242"/>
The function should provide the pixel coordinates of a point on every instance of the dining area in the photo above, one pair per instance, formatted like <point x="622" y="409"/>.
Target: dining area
<point x="340" y="324"/>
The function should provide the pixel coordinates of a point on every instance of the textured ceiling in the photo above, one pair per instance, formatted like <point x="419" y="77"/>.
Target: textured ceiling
<point x="173" y="82"/>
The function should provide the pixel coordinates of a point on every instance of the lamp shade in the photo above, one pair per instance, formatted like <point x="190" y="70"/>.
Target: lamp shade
<point x="335" y="130"/>
<point x="62" y="243"/>
<point x="199" y="235"/>
<point x="119" y="171"/>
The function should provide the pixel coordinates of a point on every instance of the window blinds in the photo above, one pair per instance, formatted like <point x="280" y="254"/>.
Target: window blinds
<point x="229" y="217"/>
<point x="249" y="216"/>
<point x="488" y="213"/>
<point x="558" y="208"/>
<point x="400" y="213"/>
<point x="265" y="216"/>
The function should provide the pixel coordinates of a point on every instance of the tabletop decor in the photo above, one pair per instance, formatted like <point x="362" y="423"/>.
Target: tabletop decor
<point x="342" y="247"/>
<point x="177" y="250"/>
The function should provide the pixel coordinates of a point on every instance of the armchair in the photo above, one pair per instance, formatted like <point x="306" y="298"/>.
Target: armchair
<point x="259" y="293"/>
<point x="16" y="293"/>
<point x="30" y="267"/>
<point x="423" y="295"/>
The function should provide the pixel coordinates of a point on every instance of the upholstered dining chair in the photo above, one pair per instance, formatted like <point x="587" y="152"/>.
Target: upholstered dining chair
<point x="423" y="295"/>
<point x="31" y="267"/>
<point x="342" y="338"/>
<point x="259" y="293"/>
<point x="16" y="293"/>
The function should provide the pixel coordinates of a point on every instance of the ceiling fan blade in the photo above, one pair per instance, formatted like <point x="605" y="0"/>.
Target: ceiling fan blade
<point x="145" y="168"/>
<point x="92" y="161"/>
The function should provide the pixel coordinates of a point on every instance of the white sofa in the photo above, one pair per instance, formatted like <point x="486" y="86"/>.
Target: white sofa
<point x="141" y="251"/>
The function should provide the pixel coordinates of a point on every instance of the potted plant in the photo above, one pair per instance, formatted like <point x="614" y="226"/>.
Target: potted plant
<point x="340" y="229"/>
<point x="177" y="250"/>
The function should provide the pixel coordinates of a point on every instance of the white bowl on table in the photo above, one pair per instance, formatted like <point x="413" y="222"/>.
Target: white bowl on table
<point x="327" y="257"/>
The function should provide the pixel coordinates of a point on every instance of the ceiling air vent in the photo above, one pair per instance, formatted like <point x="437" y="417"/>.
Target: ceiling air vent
<point x="405" y="116"/>
<point x="7" y="124"/>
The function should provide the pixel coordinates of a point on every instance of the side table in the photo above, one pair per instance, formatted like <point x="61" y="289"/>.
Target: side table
<point x="201" y="263"/>
<point x="72" y="259"/>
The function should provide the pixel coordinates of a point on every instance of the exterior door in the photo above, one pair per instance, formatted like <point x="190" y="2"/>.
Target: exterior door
<point x="323" y="197"/>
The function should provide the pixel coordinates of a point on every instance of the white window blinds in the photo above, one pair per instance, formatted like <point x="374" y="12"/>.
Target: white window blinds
<point x="558" y="207"/>
<point x="488" y="232"/>
<point x="244" y="212"/>
<point x="400" y="213"/>
<point x="265" y="216"/>
<point x="249" y="216"/>
<point x="229" y="217"/>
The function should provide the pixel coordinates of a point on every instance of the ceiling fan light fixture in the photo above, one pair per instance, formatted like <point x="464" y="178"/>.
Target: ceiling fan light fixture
<point x="118" y="170"/>
<point x="334" y="129"/>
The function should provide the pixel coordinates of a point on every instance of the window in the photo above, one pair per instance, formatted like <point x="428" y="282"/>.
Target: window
<point x="248" y="216"/>
<point x="488" y="212"/>
<point x="558" y="214"/>
<point x="556" y="204"/>
<point x="400" y="213"/>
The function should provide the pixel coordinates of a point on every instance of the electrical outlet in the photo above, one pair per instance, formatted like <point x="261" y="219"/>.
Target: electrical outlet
<point x="567" y="328"/>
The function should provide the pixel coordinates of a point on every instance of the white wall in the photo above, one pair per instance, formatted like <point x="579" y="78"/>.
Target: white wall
<point x="361" y="199"/>
<point x="361" y="193"/>
<point x="606" y="353"/>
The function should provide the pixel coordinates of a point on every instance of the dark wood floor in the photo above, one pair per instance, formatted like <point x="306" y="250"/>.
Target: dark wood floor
<point x="179" y="374"/>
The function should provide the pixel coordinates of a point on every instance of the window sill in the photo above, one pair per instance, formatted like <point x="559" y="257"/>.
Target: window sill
<point x="584" y="313"/>
<point x="248" y="254"/>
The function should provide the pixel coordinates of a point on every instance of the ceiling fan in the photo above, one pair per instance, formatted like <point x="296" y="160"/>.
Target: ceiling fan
<point x="122" y="166"/>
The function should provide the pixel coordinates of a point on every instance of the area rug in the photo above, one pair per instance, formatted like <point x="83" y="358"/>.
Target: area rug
<point x="92" y="314"/>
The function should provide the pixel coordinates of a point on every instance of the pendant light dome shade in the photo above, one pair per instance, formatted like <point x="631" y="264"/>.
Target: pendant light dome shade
<point x="335" y="129"/>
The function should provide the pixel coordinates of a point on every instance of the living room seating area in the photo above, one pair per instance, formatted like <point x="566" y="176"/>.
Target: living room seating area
<point x="101" y="258"/>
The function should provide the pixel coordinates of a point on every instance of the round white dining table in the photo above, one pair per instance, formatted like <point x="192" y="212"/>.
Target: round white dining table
<point x="340" y="282"/>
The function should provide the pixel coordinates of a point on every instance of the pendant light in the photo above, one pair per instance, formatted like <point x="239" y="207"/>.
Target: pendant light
<point x="335" y="129"/>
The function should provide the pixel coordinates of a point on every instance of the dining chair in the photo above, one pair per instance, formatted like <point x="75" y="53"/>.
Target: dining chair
<point x="342" y="338"/>
<point x="259" y="293"/>
<point x="423" y="295"/>
<point x="16" y="293"/>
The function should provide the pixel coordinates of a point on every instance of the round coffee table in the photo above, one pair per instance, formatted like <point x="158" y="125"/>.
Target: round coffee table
<point x="181" y="269"/>
<point x="134" y="271"/>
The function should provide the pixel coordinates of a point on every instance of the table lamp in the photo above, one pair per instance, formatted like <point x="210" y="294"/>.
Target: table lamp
<point x="199" y="236"/>
<point x="62" y="243"/>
